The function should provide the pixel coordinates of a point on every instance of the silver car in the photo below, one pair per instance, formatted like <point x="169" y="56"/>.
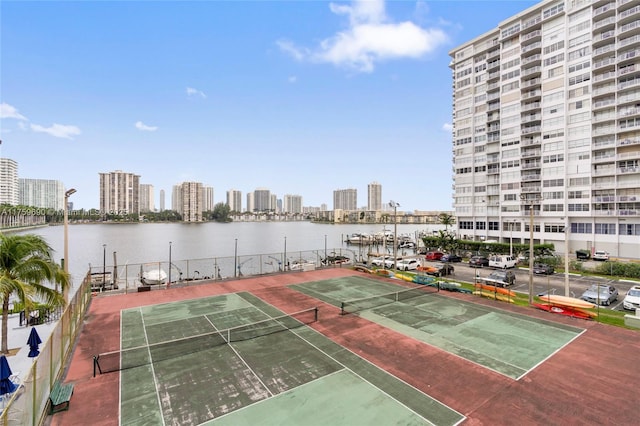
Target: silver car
<point x="600" y="293"/>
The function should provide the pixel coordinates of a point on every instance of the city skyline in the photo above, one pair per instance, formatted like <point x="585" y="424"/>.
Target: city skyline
<point x="283" y="105"/>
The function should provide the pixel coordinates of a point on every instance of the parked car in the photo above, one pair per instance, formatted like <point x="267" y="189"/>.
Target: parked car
<point x="379" y="261"/>
<point x="502" y="278"/>
<point x="451" y="258"/>
<point x="389" y="263"/>
<point x="543" y="269"/>
<point x="434" y="255"/>
<point x="583" y="254"/>
<point x="478" y="261"/>
<point x="632" y="299"/>
<point x="502" y="262"/>
<point x="600" y="293"/>
<point x="441" y="269"/>
<point x="600" y="255"/>
<point x="408" y="264"/>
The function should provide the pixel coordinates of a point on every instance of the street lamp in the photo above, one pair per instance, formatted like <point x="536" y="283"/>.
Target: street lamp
<point x="566" y="257"/>
<point x="531" y="255"/>
<point x="169" y="283"/>
<point x="104" y="265"/>
<point x="395" y="232"/>
<point x="65" y="261"/>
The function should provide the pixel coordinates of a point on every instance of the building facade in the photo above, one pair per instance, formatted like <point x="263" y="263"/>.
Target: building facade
<point x="546" y="128"/>
<point x="345" y="199"/>
<point x="9" y="188"/>
<point x="189" y="201"/>
<point x="162" y="200"/>
<point x="43" y="193"/>
<point x="262" y="200"/>
<point x="292" y="204"/>
<point x="119" y="193"/>
<point x="374" y="196"/>
<point x="234" y="200"/>
<point x="147" y="202"/>
<point x="207" y="198"/>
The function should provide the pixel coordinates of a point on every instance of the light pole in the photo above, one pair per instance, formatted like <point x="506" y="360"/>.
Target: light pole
<point x="511" y="239"/>
<point x="104" y="265"/>
<point x="169" y="283"/>
<point x="531" y="255"/>
<point x="65" y="261"/>
<point x="285" y="253"/>
<point x="566" y="257"/>
<point x="395" y="232"/>
<point x="235" y="260"/>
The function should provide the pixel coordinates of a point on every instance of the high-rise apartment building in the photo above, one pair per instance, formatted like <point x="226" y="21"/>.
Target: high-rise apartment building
<point x="147" y="203"/>
<point x="188" y="201"/>
<point x="119" y="193"/>
<point x="207" y="199"/>
<point x="292" y="204"/>
<point x="234" y="200"/>
<point x="374" y="196"/>
<point x="162" y="200"/>
<point x="345" y="199"/>
<point x="262" y="200"/>
<point x="546" y="128"/>
<point x="250" y="202"/>
<point x="9" y="188"/>
<point x="43" y="193"/>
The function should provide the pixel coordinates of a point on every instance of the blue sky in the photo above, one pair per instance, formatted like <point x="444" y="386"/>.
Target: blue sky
<point x="300" y="97"/>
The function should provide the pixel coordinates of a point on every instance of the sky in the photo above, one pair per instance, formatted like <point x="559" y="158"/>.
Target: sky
<point x="300" y="97"/>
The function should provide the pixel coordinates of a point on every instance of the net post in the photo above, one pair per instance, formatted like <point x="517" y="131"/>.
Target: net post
<point x="315" y="316"/>
<point x="342" y="312"/>
<point x="96" y="365"/>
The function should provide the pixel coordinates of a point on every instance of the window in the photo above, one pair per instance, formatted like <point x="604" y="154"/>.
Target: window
<point x="464" y="224"/>
<point x="578" y="194"/>
<point x="579" y="208"/>
<point x="494" y="226"/>
<point x="556" y="158"/>
<point x="605" y="228"/>
<point x="552" y="183"/>
<point x="556" y="229"/>
<point x="481" y="225"/>
<point x="553" y="207"/>
<point x="581" y="228"/>
<point x="629" y="229"/>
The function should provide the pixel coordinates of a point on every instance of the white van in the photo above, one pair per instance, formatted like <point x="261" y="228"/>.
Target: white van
<point x="502" y="262"/>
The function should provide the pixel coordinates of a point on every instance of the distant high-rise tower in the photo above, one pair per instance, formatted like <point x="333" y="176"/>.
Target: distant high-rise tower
<point x="207" y="199"/>
<point x="262" y="200"/>
<point x="119" y="193"/>
<point x="234" y="200"/>
<point x="374" y="196"/>
<point x="162" y="200"/>
<point x="9" y="189"/>
<point x="292" y="204"/>
<point x="147" y="203"/>
<point x="345" y="199"/>
<point x="250" y="202"/>
<point x="188" y="200"/>
<point x="43" y="193"/>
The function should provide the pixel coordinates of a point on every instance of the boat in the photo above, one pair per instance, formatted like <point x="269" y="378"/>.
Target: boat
<point x="565" y="310"/>
<point x="101" y="281"/>
<point x="301" y="265"/>
<point x="566" y="301"/>
<point x="153" y="275"/>
<point x="360" y="238"/>
<point x="495" y="289"/>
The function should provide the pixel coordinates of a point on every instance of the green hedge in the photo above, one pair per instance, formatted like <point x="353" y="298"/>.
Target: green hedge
<point x="619" y="269"/>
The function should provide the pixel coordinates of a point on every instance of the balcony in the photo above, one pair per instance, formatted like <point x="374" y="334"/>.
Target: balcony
<point x="628" y="198"/>
<point x="628" y="142"/>
<point x="532" y="94"/>
<point x="530" y="165"/>
<point x="530" y="177"/>
<point x="531" y="129"/>
<point x="530" y="36"/>
<point x="531" y="71"/>
<point x="604" y="158"/>
<point x="530" y="189"/>
<point x="609" y="8"/>
<point x="533" y="82"/>
<point x="531" y="48"/>
<point x="529" y="141"/>
<point x="608" y="171"/>
<point x="599" y="25"/>
<point x="603" y="142"/>
<point x="604" y="49"/>
<point x="627" y="170"/>
<point x="633" y="155"/>
<point x="629" y="12"/>
<point x="609" y="61"/>
<point x="603" y="212"/>
<point x="628" y="212"/>
<point x="627" y="70"/>
<point x="630" y="27"/>
<point x="531" y="22"/>
<point x="603" y="103"/>
<point x="628" y="54"/>
<point x="629" y="41"/>
<point x="532" y="58"/>
<point x="531" y="153"/>
<point x="627" y="112"/>
<point x="531" y="117"/>
<point x="604" y="76"/>
<point x="530" y="106"/>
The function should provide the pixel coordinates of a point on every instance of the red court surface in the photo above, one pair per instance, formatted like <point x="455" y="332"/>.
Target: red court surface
<point x="591" y="381"/>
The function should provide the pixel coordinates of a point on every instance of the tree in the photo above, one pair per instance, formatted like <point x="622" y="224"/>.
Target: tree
<point x="221" y="213"/>
<point x="26" y="267"/>
<point x="447" y="220"/>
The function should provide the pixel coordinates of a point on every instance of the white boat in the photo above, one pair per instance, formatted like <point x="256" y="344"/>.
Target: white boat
<point x="153" y="275"/>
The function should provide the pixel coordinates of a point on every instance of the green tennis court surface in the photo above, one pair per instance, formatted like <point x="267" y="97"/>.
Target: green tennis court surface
<point x="288" y="376"/>
<point x="507" y="343"/>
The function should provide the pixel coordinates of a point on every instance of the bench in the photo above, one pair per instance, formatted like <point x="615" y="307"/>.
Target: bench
<point x="60" y="397"/>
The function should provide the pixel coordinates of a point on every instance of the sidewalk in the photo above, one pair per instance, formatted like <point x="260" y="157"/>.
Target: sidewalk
<point x="17" y="336"/>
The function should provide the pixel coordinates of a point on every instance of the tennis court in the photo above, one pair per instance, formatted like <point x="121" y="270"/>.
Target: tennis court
<point x="234" y="359"/>
<point x="502" y="341"/>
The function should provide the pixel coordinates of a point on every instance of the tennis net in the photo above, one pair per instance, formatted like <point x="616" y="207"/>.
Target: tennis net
<point x="142" y="355"/>
<point x="355" y="305"/>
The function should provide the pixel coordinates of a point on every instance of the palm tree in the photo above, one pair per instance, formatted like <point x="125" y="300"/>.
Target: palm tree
<point x="26" y="266"/>
<point x="447" y="220"/>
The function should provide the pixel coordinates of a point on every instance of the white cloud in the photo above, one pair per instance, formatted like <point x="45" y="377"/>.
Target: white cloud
<point x="141" y="126"/>
<point x="447" y="127"/>
<point x="370" y="38"/>
<point x="293" y="79"/>
<point x="57" y="130"/>
<point x="195" y="92"/>
<point x="8" y="111"/>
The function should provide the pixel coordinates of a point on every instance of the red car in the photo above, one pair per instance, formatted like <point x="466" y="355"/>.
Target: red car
<point x="434" y="255"/>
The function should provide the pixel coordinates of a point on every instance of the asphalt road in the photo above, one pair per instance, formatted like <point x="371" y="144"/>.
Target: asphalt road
<point x="553" y="284"/>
